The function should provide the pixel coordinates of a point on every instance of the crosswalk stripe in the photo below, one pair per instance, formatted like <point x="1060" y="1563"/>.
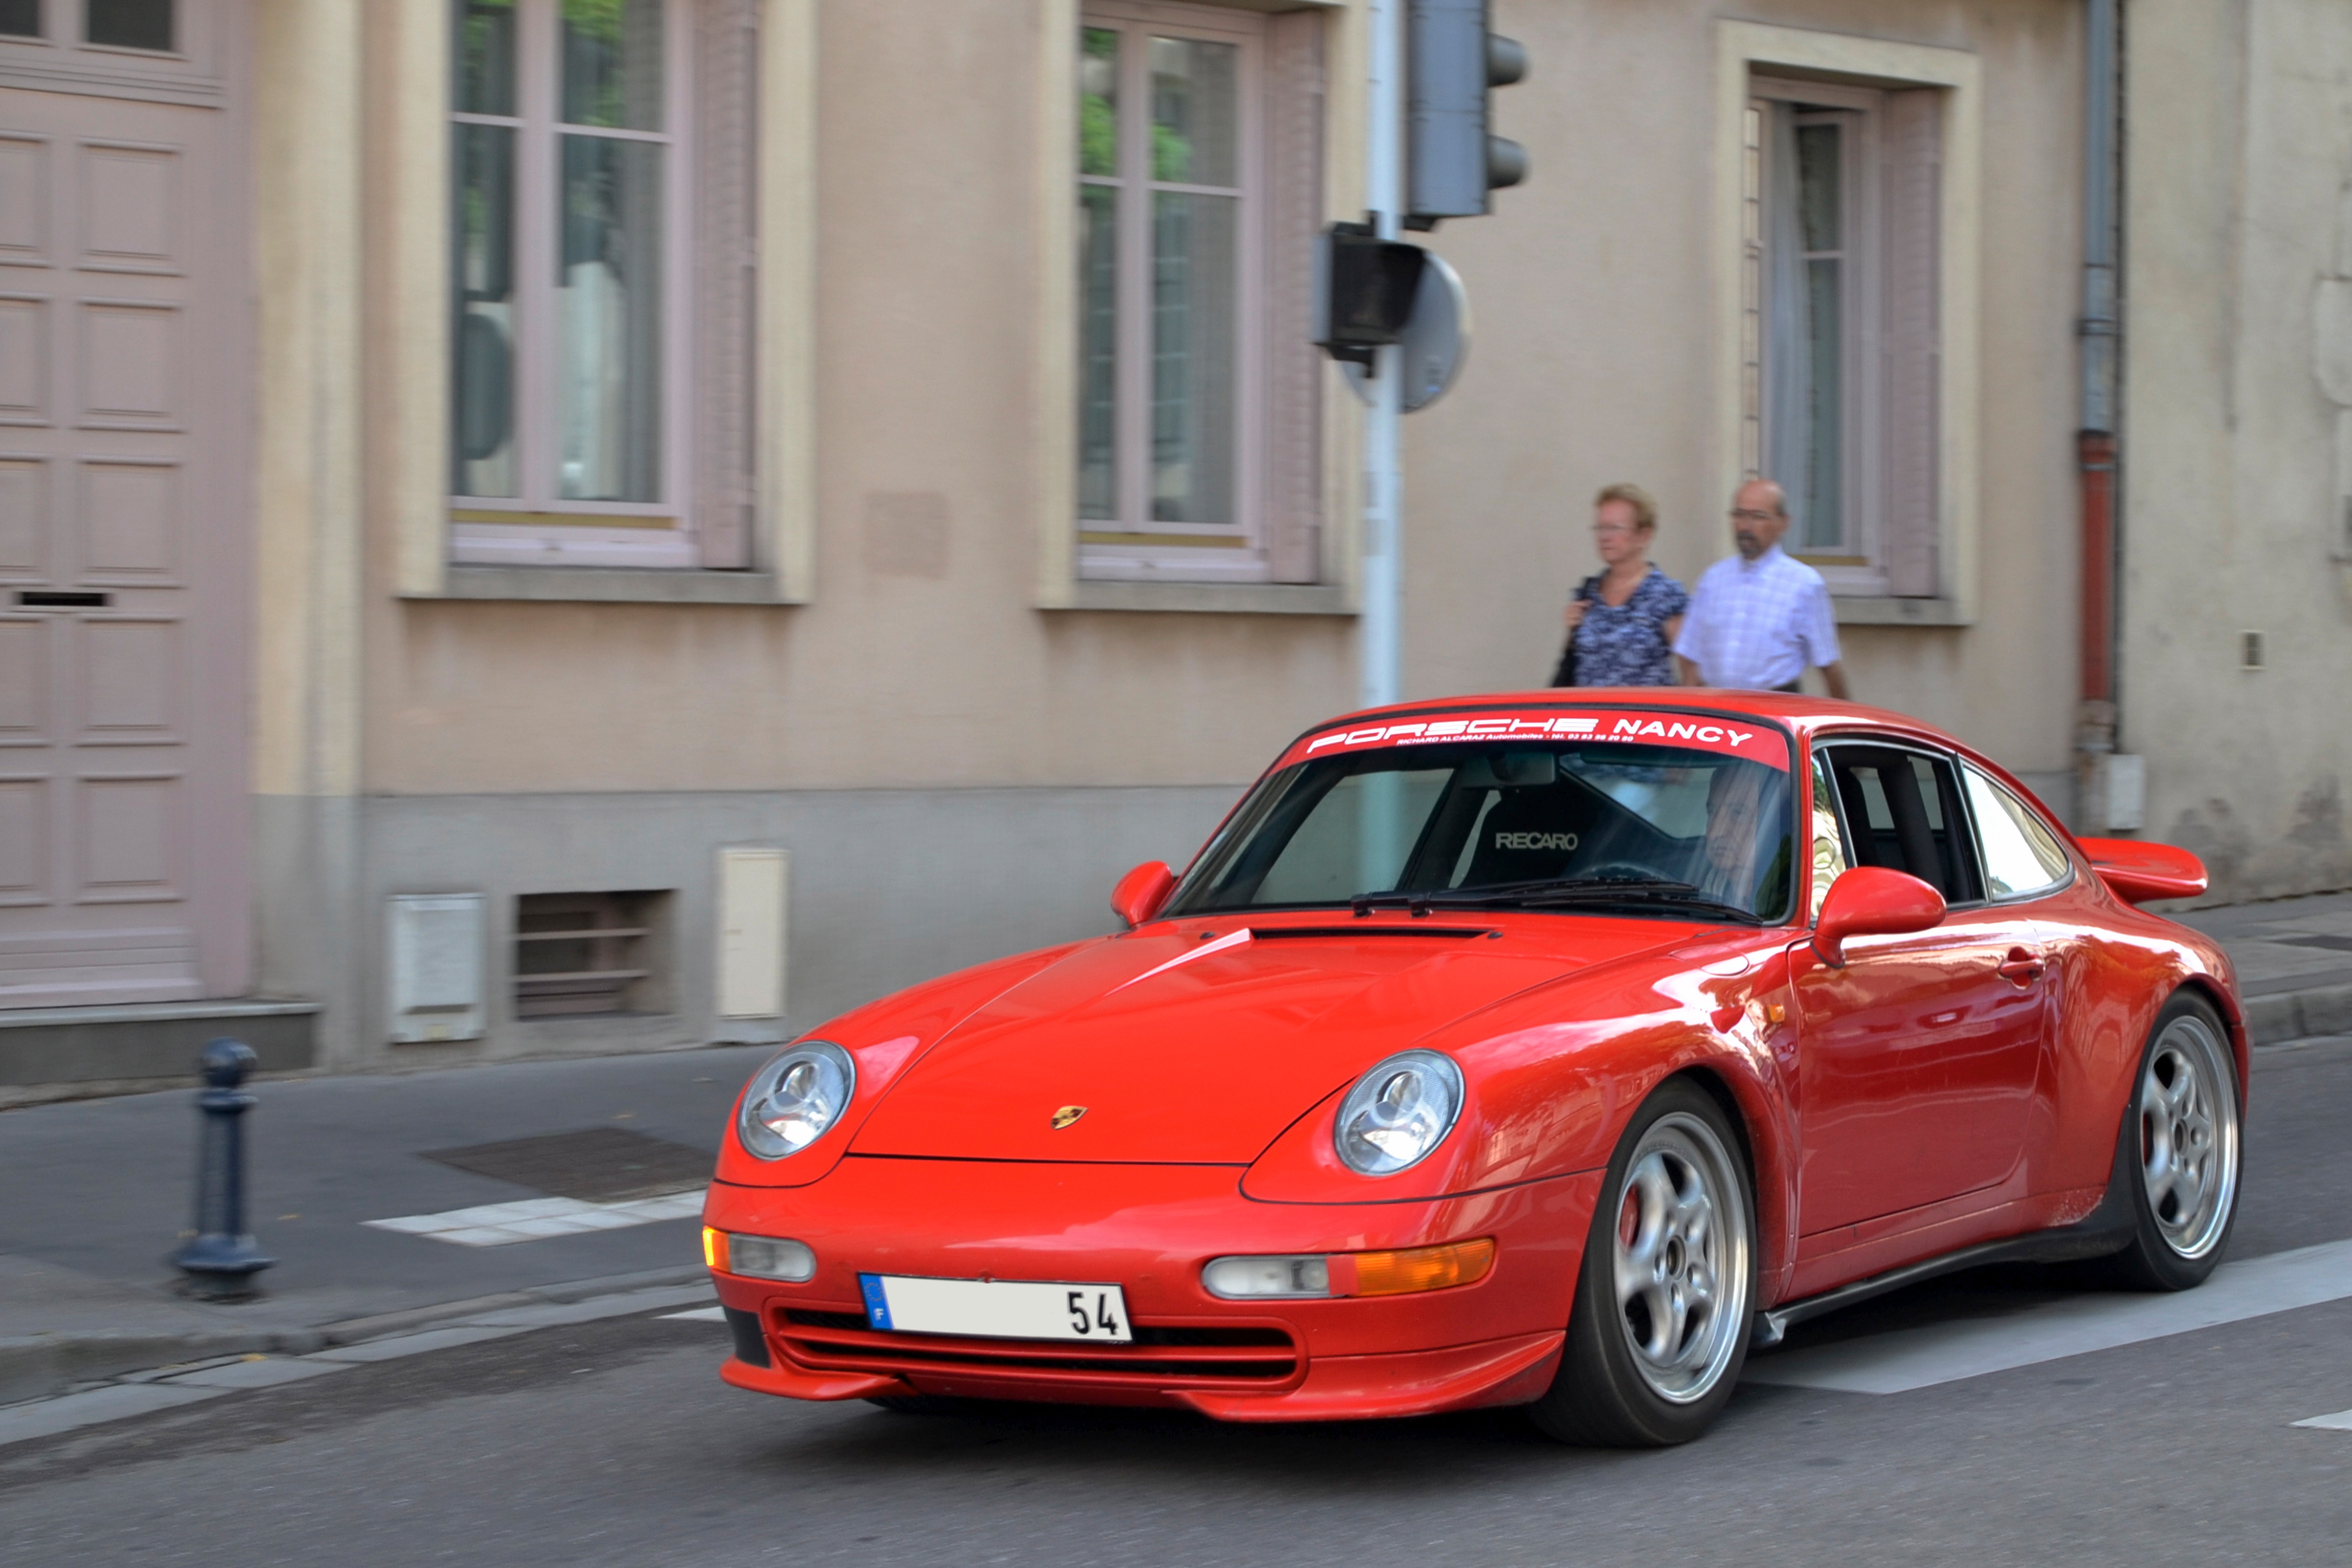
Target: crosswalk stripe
<point x="1945" y="1352"/>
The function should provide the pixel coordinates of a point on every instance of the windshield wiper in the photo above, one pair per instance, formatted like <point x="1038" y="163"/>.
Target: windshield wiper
<point x="1541" y="892"/>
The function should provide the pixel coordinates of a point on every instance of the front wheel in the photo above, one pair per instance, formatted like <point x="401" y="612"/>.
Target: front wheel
<point x="2176" y="1165"/>
<point x="1661" y="1321"/>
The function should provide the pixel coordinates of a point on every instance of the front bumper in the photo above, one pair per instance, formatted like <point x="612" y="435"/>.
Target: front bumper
<point x="1148" y="1228"/>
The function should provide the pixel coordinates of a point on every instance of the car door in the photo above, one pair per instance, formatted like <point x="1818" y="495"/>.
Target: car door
<point x="1920" y="1057"/>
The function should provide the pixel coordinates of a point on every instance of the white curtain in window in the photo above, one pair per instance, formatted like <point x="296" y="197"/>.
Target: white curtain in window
<point x="1788" y="324"/>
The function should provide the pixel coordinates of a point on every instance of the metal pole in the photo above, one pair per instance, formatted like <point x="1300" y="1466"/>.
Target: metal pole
<point x="1383" y="463"/>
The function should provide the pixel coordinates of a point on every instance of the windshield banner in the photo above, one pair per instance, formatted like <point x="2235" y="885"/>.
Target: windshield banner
<point x="1742" y="738"/>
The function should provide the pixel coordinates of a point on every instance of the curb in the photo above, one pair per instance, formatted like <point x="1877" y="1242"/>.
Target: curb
<point x="36" y="1366"/>
<point x="2299" y="1014"/>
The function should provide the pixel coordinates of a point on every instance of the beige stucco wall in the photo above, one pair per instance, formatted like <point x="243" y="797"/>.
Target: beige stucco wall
<point x="1592" y="363"/>
<point x="1595" y="361"/>
<point x="2237" y="199"/>
<point x="925" y="151"/>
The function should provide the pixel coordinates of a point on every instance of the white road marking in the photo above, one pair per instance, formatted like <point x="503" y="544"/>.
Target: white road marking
<point x="1946" y="1353"/>
<point x="2339" y="1422"/>
<point x="699" y="1315"/>
<point x="534" y="1219"/>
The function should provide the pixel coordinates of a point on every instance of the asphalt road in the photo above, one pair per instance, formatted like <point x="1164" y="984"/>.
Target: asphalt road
<point x="614" y="1443"/>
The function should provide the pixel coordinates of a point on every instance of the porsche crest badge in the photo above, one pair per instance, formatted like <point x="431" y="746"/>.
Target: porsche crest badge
<point x="1066" y="1115"/>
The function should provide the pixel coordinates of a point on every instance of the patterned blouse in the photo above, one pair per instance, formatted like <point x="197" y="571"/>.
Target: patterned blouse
<point x="1625" y="645"/>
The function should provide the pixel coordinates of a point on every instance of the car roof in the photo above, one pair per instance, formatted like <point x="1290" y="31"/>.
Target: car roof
<point x="1801" y="712"/>
<point x="1797" y="711"/>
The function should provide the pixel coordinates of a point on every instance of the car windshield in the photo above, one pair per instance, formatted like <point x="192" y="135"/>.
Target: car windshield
<point x="1613" y="828"/>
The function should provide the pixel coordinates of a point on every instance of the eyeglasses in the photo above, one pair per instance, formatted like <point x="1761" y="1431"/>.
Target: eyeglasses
<point x="1743" y="514"/>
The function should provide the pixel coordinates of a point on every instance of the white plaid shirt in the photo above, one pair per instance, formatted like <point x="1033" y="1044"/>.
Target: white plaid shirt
<point x="1758" y="624"/>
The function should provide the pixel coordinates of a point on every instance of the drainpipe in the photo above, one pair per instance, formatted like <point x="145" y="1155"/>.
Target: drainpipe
<point x="2100" y="804"/>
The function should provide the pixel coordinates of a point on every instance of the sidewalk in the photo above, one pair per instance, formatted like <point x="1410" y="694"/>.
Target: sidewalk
<point x="98" y="1190"/>
<point x="98" y="1195"/>
<point x="2294" y="963"/>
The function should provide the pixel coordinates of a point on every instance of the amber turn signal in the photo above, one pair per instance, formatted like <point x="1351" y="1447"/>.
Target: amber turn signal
<point x="714" y="1248"/>
<point x="1424" y="1267"/>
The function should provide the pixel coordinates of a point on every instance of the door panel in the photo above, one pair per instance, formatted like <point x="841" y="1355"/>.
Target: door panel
<point x="1920" y="1058"/>
<point x="122" y="524"/>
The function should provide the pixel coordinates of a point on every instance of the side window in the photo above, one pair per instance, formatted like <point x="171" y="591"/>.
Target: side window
<point x="1830" y="856"/>
<point x="1903" y="808"/>
<point x="2021" y="855"/>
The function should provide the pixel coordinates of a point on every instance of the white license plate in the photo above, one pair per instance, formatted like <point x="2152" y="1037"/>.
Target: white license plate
<point x="996" y="1309"/>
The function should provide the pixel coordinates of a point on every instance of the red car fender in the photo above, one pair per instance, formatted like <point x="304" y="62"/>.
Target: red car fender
<point x="1546" y="1097"/>
<point x="882" y="1037"/>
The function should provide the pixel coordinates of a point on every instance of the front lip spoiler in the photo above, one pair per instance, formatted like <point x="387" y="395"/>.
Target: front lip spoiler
<point x="1512" y="1370"/>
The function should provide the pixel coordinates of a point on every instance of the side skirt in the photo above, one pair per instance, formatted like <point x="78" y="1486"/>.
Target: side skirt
<point x="2107" y="1229"/>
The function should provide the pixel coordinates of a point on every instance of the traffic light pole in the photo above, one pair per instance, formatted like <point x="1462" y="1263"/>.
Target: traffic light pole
<point x="1378" y="641"/>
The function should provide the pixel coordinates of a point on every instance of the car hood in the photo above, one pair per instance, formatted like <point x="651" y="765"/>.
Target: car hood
<point x="1200" y="1042"/>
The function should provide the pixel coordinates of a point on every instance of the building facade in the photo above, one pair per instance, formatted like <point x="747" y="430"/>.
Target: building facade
<point x="544" y="526"/>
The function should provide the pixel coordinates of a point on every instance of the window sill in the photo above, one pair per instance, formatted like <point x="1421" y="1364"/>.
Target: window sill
<point x="1214" y="598"/>
<point x="608" y="585"/>
<point x="1879" y="611"/>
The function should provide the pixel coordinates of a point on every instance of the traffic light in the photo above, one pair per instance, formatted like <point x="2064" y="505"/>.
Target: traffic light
<point x="1452" y="157"/>
<point x="1364" y="289"/>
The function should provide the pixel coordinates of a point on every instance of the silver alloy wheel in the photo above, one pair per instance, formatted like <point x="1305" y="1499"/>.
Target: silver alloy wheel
<point x="1682" y="1259"/>
<point x="2189" y="1136"/>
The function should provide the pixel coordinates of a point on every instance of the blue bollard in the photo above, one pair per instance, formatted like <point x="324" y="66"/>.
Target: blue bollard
<point x="221" y="1262"/>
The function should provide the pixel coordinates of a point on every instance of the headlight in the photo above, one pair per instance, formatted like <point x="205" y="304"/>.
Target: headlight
<point x="758" y="1256"/>
<point x="792" y="1101"/>
<point x="1244" y="1279"/>
<point x="1398" y="1112"/>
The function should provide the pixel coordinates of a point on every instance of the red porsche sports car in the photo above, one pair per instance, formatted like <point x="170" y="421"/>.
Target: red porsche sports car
<point x="1546" y="1049"/>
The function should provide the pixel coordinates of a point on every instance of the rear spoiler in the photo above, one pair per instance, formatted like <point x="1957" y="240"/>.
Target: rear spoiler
<point x="2139" y="872"/>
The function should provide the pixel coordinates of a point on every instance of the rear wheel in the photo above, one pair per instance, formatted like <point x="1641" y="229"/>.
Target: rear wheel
<point x="1661" y="1321"/>
<point x="2177" y="1163"/>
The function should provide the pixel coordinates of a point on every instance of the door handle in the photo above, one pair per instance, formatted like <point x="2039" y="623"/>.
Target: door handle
<point x="2020" y="967"/>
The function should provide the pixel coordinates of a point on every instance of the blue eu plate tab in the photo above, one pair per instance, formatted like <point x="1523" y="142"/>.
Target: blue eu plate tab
<point x="877" y="1305"/>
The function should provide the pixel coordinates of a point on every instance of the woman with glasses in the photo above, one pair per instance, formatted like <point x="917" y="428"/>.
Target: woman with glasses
<point x="1622" y="621"/>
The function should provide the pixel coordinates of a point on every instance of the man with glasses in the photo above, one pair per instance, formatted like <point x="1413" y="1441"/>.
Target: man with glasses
<point x="1758" y="618"/>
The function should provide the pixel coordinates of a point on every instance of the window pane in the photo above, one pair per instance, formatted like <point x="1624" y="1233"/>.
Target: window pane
<point x="20" y="19"/>
<point x="608" y="320"/>
<point x="128" y="24"/>
<point x="485" y="69"/>
<point x="1194" y="273"/>
<point x="1098" y="101"/>
<point x="1819" y="150"/>
<point x="482" y="451"/>
<point x="2019" y="855"/>
<point x="1829" y="858"/>
<point x="612" y="63"/>
<point x="1097" y="351"/>
<point x="1824" y="517"/>
<point x="1196" y="112"/>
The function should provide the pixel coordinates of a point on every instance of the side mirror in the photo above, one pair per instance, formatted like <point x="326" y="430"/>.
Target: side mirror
<point x="2139" y="871"/>
<point x="1871" y="900"/>
<point x="1141" y="891"/>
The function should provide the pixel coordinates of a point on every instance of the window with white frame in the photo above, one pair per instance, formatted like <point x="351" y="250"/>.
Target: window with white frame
<point x="1199" y="159"/>
<point x="1841" y="292"/>
<point x="580" y="215"/>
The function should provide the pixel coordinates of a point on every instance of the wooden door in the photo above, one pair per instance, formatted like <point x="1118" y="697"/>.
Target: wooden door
<point x="123" y="531"/>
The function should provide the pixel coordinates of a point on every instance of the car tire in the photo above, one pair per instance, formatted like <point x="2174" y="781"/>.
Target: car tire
<point x="1675" y="1224"/>
<point x="2178" y="1152"/>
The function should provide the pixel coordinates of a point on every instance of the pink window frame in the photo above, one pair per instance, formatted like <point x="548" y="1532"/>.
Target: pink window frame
<point x="547" y="529"/>
<point x="1235" y="552"/>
